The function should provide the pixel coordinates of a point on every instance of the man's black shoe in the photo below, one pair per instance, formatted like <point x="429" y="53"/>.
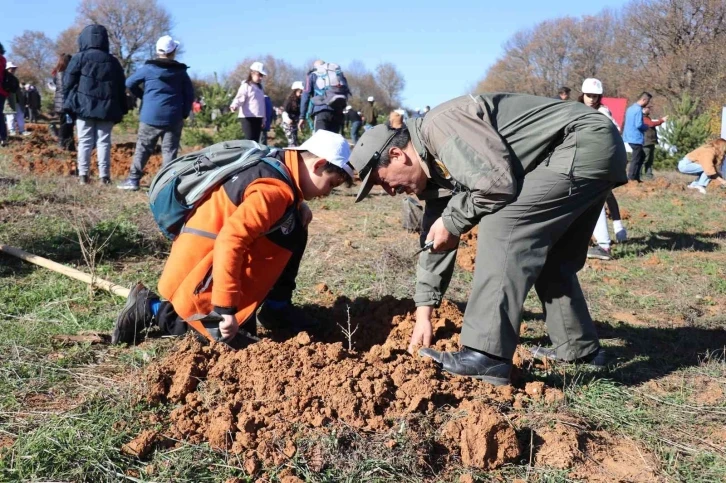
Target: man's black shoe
<point x="468" y="362"/>
<point x="597" y="358"/>
<point x="288" y="317"/>
<point x="135" y="316"/>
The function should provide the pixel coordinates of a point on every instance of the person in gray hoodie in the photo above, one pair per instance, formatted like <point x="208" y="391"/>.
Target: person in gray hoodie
<point x="95" y="94"/>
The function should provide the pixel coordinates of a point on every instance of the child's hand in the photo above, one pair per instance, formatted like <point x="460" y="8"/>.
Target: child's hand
<point x="306" y="214"/>
<point x="228" y="327"/>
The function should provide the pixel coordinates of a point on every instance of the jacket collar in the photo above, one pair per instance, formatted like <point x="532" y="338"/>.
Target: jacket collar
<point x="414" y="130"/>
<point x="167" y="63"/>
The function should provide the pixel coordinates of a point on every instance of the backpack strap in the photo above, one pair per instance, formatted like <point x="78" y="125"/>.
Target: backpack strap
<point x="274" y="163"/>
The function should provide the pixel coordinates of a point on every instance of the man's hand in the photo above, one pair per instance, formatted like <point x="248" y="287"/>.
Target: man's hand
<point x="423" y="331"/>
<point x="306" y="214"/>
<point x="228" y="327"/>
<point x="664" y="118"/>
<point x="443" y="240"/>
<point x="300" y="123"/>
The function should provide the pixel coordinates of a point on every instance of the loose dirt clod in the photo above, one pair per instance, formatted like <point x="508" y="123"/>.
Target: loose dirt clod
<point x="485" y="438"/>
<point x="141" y="445"/>
<point x="560" y="447"/>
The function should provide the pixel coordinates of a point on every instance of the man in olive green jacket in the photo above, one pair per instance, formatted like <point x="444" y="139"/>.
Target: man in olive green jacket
<point x="533" y="173"/>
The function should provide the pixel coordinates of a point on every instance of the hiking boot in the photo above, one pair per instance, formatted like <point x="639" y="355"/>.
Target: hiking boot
<point x="135" y="316"/>
<point x="287" y="317"/>
<point x="596" y="359"/>
<point x="698" y="188"/>
<point x="83" y="179"/>
<point x="129" y="185"/>
<point x="599" y="253"/>
<point x="106" y="180"/>
<point x="471" y="363"/>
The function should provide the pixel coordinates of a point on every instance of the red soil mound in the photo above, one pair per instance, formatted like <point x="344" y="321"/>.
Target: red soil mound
<point x="257" y="400"/>
<point x="40" y="153"/>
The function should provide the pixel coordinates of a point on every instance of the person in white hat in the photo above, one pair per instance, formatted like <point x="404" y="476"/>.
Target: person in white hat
<point x="370" y="114"/>
<point x="291" y="113"/>
<point x="591" y="96"/>
<point x="250" y="101"/>
<point x="244" y="246"/>
<point x="167" y="95"/>
<point x="14" y="109"/>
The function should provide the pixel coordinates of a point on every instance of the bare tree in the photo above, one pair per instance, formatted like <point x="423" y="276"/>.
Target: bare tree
<point x="391" y="81"/>
<point x="133" y="26"/>
<point x="67" y="40"/>
<point x="668" y="47"/>
<point x="32" y="51"/>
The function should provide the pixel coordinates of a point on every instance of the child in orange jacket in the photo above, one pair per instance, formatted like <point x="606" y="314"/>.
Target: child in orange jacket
<point x="241" y="247"/>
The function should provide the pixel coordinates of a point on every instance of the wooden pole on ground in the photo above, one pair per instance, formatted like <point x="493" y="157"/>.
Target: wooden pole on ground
<point x="67" y="271"/>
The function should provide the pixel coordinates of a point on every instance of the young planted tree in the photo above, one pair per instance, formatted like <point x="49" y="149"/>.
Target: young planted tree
<point x="685" y="131"/>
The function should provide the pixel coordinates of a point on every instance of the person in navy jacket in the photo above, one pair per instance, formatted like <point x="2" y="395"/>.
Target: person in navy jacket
<point x="166" y="100"/>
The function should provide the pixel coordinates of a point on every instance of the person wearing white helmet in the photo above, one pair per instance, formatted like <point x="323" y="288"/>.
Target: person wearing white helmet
<point x="370" y="114"/>
<point x="250" y="100"/>
<point x="591" y="96"/>
<point x="291" y="114"/>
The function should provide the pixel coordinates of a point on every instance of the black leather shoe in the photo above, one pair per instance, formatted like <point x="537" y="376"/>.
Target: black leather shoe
<point x="135" y="316"/>
<point x="596" y="359"/>
<point x="471" y="363"/>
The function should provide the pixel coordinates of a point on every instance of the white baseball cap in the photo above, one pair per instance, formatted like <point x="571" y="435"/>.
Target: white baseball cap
<point x="592" y="86"/>
<point x="166" y="45"/>
<point x="330" y="146"/>
<point x="371" y="99"/>
<point x="258" y="67"/>
<point x="10" y="65"/>
<point x="297" y="85"/>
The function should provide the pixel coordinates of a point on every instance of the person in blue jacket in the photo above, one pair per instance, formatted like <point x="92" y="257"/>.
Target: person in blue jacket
<point x="167" y="99"/>
<point x="634" y="134"/>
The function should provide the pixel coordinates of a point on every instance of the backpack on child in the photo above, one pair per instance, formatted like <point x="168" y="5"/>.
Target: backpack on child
<point x="181" y="185"/>
<point x="330" y="87"/>
<point x="11" y="84"/>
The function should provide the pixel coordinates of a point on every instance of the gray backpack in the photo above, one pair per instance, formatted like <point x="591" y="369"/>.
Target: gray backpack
<point x="180" y="185"/>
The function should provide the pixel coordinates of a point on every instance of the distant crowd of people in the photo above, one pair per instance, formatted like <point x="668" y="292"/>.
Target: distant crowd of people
<point x="640" y="134"/>
<point x="92" y="93"/>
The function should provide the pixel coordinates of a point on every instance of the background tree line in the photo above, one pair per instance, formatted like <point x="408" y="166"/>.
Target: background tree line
<point x="670" y="48"/>
<point x="134" y="27"/>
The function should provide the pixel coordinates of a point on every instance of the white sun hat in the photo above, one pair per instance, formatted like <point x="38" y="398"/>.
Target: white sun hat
<point x="330" y="146"/>
<point x="166" y="45"/>
<point x="592" y="86"/>
<point x="258" y="67"/>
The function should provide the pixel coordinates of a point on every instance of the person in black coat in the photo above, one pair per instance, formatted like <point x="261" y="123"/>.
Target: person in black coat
<point x="94" y="92"/>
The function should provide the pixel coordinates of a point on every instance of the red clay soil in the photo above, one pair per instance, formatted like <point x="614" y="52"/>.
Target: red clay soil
<point x="258" y="402"/>
<point x="40" y="153"/>
<point x="466" y="255"/>
<point x="262" y="397"/>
